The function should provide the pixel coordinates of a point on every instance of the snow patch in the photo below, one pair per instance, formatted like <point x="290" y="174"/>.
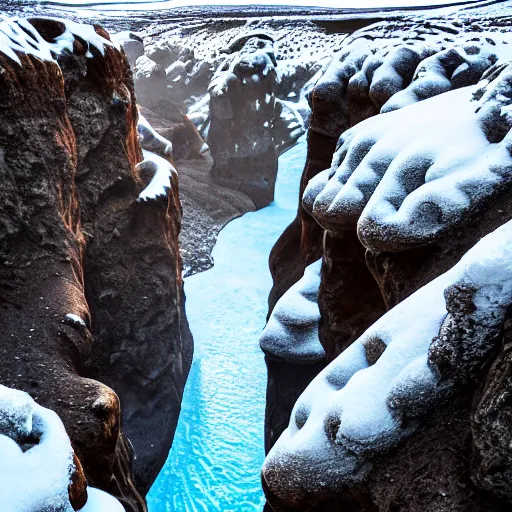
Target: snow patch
<point x="75" y="319"/>
<point x="162" y="172"/>
<point x="17" y="35"/>
<point x="291" y="333"/>
<point x="99" y="501"/>
<point x="38" y="477"/>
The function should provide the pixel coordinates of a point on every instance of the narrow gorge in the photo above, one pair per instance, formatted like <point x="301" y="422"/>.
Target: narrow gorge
<point x="255" y="257"/>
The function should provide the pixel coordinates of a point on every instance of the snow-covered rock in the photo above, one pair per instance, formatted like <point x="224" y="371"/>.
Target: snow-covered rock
<point x="21" y="36"/>
<point x="37" y="468"/>
<point x="419" y="184"/>
<point x="410" y="176"/>
<point x="160" y="173"/>
<point x="150" y="140"/>
<point x="36" y="458"/>
<point x="291" y="333"/>
<point x="242" y="116"/>
<point x="377" y="391"/>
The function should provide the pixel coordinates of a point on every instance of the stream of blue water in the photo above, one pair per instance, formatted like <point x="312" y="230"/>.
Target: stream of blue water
<point x="214" y="464"/>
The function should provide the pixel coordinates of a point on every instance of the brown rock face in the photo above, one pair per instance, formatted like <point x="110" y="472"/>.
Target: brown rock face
<point x="90" y="282"/>
<point x="491" y="426"/>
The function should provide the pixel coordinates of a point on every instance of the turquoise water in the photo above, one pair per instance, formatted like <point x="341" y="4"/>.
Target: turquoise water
<point x="214" y="464"/>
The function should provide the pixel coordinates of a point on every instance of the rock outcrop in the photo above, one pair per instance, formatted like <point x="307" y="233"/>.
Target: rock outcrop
<point x="92" y="321"/>
<point x="400" y="218"/>
<point x="38" y="468"/>
<point x="242" y="116"/>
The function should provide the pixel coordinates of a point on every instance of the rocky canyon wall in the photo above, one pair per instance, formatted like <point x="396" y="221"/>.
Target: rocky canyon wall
<point x="92" y="317"/>
<point x="405" y="198"/>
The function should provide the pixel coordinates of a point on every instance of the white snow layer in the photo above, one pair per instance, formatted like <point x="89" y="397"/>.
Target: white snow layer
<point x="291" y="333"/>
<point x="170" y="4"/>
<point x="408" y="176"/>
<point x="162" y="172"/>
<point x="151" y="140"/>
<point x="38" y="478"/>
<point x="99" y="501"/>
<point x="17" y="35"/>
<point x="353" y="410"/>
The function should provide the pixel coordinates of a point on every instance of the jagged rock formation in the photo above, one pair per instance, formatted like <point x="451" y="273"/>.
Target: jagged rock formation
<point x="397" y="217"/>
<point x="385" y="66"/>
<point x="90" y="280"/>
<point x="171" y="72"/>
<point x="242" y="114"/>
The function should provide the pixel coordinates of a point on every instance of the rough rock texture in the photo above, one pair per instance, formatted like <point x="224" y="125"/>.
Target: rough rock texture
<point x="168" y="78"/>
<point x="184" y="74"/>
<point x="406" y="63"/>
<point x="90" y="278"/>
<point x="398" y="211"/>
<point x="207" y="208"/>
<point x="168" y="71"/>
<point x="242" y="116"/>
<point x="132" y="44"/>
<point x="293" y="353"/>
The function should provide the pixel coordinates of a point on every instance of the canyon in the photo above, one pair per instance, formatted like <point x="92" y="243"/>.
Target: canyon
<point x="255" y="261"/>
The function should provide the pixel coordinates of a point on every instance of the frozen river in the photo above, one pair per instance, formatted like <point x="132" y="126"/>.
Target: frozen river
<point x="215" y="461"/>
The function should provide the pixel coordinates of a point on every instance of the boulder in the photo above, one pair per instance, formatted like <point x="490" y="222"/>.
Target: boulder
<point x="176" y="128"/>
<point x="132" y="44"/>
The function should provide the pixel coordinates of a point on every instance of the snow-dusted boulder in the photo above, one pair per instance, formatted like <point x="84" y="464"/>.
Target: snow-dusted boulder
<point x="175" y="128"/>
<point x="38" y="468"/>
<point x="378" y="391"/>
<point x="36" y="458"/>
<point x="151" y="83"/>
<point x="169" y="73"/>
<point x="153" y="141"/>
<point x="291" y="333"/>
<point x="408" y="177"/>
